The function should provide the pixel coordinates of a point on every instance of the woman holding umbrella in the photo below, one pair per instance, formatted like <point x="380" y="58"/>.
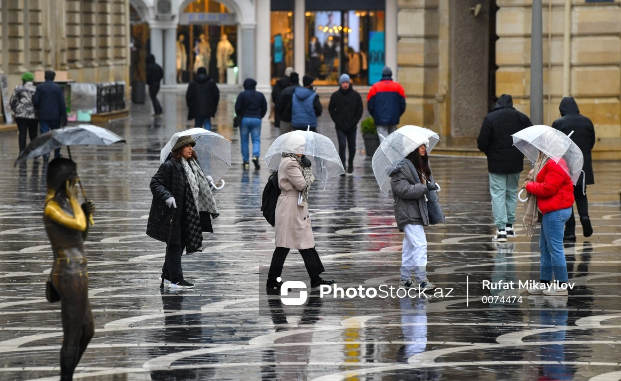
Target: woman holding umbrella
<point x="182" y="208"/>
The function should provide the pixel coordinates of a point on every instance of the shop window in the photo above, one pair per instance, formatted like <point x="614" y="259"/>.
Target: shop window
<point x="281" y="43"/>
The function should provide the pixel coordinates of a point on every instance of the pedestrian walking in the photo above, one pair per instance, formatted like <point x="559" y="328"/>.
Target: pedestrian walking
<point x="345" y="109"/>
<point x="504" y="162"/>
<point x="24" y="110"/>
<point x="277" y="90"/>
<point x="154" y="77"/>
<point x="305" y="106"/>
<point x="202" y="99"/>
<point x="182" y="208"/>
<point x="251" y="106"/>
<point x="49" y="101"/>
<point x="293" y="223"/>
<point x="414" y="190"/>
<point x="283" y="107"/>
<point x="386" y="103"/>
<point x="581" y="131"/>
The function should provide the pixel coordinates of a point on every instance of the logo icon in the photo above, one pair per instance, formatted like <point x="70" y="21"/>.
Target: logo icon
<point x="284" y="291"/>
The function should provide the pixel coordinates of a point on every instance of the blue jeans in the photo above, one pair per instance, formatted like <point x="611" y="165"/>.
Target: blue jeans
<point x="47" y="125"/>
<point x="252" y="127"/>
<point x="551" y="245"/>
<point x="203" y="122"/>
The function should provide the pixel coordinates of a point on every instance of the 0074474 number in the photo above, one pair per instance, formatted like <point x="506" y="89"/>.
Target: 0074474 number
<point x="495" y="299"/>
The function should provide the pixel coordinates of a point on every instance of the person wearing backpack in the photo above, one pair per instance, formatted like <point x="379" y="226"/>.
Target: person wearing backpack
<point x="252" y="107"/>
<point x="292" y="220"/>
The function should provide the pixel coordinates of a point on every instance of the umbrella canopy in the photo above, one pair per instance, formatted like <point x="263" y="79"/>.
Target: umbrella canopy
<point x="84" y="134"/>
<point x="320" y="148"/>
<point x="213" y="151"/>
<point x="554" y="144"/>
<point x="395" y="147"/>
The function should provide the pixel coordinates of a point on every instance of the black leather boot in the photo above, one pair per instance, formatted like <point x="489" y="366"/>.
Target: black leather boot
<point x="586" y="226"/>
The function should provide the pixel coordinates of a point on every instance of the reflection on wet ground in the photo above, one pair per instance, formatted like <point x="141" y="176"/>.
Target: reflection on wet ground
<point x="227" y="328"/>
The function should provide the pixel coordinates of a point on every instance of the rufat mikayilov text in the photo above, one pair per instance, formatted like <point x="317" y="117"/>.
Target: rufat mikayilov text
<point x="525" y="284"/>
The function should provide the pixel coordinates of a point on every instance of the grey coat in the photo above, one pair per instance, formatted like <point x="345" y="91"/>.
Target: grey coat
<point x="411" y="206"/>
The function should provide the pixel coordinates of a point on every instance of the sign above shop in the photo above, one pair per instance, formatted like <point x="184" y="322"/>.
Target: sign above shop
<point x="207" y="18"/>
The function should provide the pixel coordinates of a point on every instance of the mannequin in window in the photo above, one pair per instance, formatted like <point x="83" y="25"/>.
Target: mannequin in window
<point x="223" y="56"/>
<point x="203" y="54"/>
<point x="182" y="58"/>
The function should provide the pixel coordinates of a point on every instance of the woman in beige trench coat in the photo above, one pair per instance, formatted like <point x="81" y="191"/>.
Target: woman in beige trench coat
<point x="293" y="223"/>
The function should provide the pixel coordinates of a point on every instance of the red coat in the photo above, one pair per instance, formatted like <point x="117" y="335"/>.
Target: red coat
<point x="553" y="188"/>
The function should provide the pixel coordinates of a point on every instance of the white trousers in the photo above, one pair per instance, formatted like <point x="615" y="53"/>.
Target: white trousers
<point x="414" y="257"/>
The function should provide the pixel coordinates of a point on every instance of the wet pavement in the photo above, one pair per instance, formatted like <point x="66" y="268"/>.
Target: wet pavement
<point x="228" y="328"/>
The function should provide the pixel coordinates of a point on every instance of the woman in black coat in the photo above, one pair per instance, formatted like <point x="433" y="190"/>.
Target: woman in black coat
<point x="584" y="136"/>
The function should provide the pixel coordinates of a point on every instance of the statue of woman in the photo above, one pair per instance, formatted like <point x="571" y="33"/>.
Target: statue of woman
<point x="66" y="224"/>
<point x="203" y="54"/>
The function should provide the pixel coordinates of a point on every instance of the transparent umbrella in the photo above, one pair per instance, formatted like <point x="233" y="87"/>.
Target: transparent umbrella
<point x="317" y="147"/>
<point x="213" y="151"/>
<point x="395" y="147"/>
<point x="552" y="142"/>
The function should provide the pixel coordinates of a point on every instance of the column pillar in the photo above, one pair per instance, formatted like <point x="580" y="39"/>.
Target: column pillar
<point x="170" y="56"/>
<point x="536" y="64"/>
<point x="299" y="37"/>
<point x="391" y="37"/>
<point x="157" y="44"/>
<point x="247" y="51"/>
<point x="263" y="33"/>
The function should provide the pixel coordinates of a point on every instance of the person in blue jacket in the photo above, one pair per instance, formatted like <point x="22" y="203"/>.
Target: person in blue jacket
<point x="251" y="106"/>
<point x="305" y="106"/>
<point x="386" y="103"/>
<point x="50" y="103"/>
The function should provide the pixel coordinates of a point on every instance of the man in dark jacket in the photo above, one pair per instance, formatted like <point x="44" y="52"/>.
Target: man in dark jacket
<point x="277" y="90"/>
<point x="504" y="162"/>
<point x="305" y="106"/>
<point x="154" y="77"/>
<point x="386" y="103"/>
<point x="202" y="99"/>
<point x="251" y="106"/>
<point x="283" y="107"/>
<point x="50" y="103"/>
<point x="584" y="136"/>
<point x="346" y="110"/>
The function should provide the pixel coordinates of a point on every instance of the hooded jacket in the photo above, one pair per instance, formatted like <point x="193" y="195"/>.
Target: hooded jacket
<point x="553" y="188"/>
<point x="49" y="100"/>
<point x="345" y="108"/>
<point x="251" y="103"/>
<point x="154" y="71"/>
<point x="583" y="133"/>
<point x="305" y="108"/>
<point x="495" y="139"/>
<point x="386" y="102"/>
<point x="202" y="97"/>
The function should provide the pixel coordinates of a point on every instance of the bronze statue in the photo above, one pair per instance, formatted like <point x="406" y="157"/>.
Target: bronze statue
<point x="66" y="224"/>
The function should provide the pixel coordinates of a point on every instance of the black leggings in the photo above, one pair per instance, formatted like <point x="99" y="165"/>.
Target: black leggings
<point x="313" y="264"/>
<point x="30" y="126"/>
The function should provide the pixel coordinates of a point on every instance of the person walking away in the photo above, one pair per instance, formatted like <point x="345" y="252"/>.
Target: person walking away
<point x="24" y="110"/>
<point x="386" y="103"/>
<point x="581" y="131"/>
<point x="345" y="109"/>
<point x="154" y="77"/>
<point x="277" y="90"/>
<point x="202" y="99"/>
<point x="551" y="192"/>
<point x="251" y="106"/>
<point x="504" y="162"/>
<point x="293" y="223"/>
<point x="49" y="101"/>
<point x="283" y="107"/>
<point x="305" y="106"/>
<point x="182" y="208"/>
<point x="413" y="190"/>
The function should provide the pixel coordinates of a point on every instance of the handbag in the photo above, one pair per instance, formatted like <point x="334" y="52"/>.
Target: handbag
<point x="237" y="119"/>
<point x="51" y="294"/>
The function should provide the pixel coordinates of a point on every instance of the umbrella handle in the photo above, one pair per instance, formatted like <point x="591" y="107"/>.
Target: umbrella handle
<point x="439" y="189"/>
<point x="520" y="198"/>
<point x="218" y="188"/>
<point x="90" y="218"/>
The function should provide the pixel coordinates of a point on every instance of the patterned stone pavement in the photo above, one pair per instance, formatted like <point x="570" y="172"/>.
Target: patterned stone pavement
<point x="227" y="328"/>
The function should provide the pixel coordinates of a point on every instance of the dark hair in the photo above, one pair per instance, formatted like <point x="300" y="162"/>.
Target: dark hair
<point x="421" y="163"/>
<point x="58" y="172"/>
<point x="177" y="153"/>
<point x="201" y="70"/>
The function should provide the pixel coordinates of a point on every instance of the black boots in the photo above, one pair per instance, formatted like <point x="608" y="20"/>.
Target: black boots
<point x="586" y="226"/>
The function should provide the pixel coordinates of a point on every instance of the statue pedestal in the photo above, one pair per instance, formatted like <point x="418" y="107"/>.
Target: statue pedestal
<point x="231" y="76"/>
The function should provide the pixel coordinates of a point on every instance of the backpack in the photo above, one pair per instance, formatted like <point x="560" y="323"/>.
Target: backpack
<point x="270" y="198"/>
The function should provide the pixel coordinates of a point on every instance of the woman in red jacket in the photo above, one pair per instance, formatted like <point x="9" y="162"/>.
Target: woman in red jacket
<point x="555" y="197"/>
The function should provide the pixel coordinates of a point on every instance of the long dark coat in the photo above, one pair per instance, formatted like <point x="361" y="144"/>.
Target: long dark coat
<point x="345" y="109"/>
<point x="202" y="97"/>
<point x="583" y="136"/>
<point x="495" y="137"/>
<point x="169" y="181"/>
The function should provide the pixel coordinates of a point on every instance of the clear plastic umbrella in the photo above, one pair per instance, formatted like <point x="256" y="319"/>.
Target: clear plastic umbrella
<point x="395" y="147"/>
<point x="317" y="147"/>
<point x="552" y="142"/>
<point x="213" y="151"/>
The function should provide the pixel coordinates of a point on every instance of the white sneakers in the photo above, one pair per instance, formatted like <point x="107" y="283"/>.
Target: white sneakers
<point x="501" y="236"/>
<point x="543" y="290"/>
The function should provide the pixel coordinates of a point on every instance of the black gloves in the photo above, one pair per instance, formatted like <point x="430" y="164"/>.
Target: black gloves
<point x="88" y="207"/>
<point x="432" y="187"/>
<point x="305" y="161"/>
